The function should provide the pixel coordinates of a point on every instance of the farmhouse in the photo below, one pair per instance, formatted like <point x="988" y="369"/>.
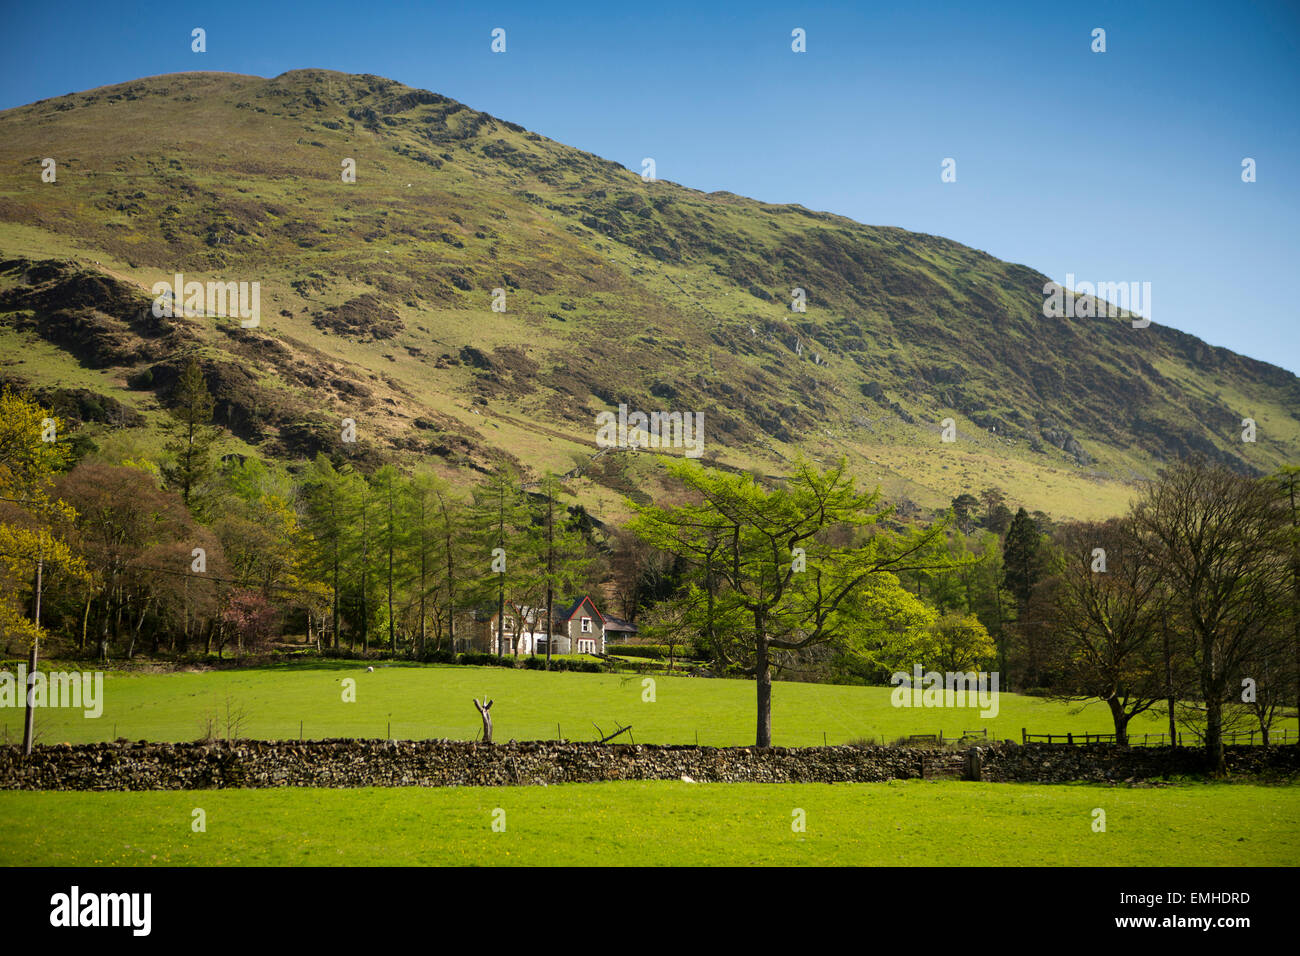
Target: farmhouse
<point x="579" y="628"/>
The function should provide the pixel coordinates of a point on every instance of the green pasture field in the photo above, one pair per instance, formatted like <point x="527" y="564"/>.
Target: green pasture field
<point x="409" y="701"/>
<point x="901" y="823"/>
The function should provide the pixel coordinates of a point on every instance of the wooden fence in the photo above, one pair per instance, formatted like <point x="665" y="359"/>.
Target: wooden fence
<point x="1158" y="740"/>
<point x="940" y="740"/>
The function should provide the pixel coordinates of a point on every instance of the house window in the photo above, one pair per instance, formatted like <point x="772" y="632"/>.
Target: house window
<point x="586" y="625"/>
<point x="586" y="647"/>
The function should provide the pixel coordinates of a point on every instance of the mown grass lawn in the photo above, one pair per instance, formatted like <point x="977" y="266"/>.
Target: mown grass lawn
<point x="903" y="823"/>
<point x="430" y="701"/>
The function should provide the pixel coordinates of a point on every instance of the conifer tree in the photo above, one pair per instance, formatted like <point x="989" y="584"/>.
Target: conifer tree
<point x="192" y="435"/>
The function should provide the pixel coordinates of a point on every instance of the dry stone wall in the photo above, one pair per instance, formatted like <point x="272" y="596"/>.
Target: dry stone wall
<point x="439" y="763"/>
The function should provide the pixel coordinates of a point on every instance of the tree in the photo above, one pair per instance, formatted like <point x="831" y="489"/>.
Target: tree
<point x="963" y="510"/>
<point x="1105" y="620"/>
<point x="956" y="642"/>
<point x="31" y="526"/>
<point x="997" y="517"/>
<point x="890" y="630"/>
<point x="362" y="555"/>
<point x="1269" y="677"/>
<point x="250" y="615"/>
<point x="1023" y="562"/>
<point x="28" y="514"/>
<point x="430" y="544"/>
<point x="452" y="529"/>
<point x="132" y="534"/>
<point x="562" y="558"/>
<point x="1287" y="482"/>
<point x="502" y="528"/>
<point x="386" y="480"/>
<point x="773" y="551"/>
<point x="642" y="575"/>
<point x="1221" y="545"/>
<point x="1022" y="558"/>
<point x="192" y="434"/>
<point x="325" y="496"/>
<point x="263" y="538"/>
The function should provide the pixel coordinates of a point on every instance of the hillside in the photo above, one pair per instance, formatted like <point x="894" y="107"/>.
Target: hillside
<point x="376" y="306"/>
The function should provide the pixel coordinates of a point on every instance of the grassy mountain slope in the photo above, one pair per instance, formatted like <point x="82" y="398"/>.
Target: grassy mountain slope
<point x="376" y="295"/>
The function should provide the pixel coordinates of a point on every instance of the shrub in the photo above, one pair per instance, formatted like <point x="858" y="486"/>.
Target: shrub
<point x="348" y="654"/>
<point x="485" y="660"/>
<point x="653" y="651"/>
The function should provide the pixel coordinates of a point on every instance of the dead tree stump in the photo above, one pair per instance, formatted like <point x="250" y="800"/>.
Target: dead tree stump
<point x="484" y="712"/>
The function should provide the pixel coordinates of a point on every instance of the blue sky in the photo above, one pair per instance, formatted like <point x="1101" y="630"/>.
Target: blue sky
<point x="1115" y="166"/>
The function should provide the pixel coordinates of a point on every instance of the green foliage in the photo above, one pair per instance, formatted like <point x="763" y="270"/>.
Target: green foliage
<point x="651" y="651"/>
<point x="1023" y="558"/>
<point x="957" y="642"/>
<point x="784" y="568"/>
<point x="192" y="437"/>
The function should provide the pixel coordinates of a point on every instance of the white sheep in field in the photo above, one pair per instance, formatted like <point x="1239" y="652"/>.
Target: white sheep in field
<point x="370" y="669"/>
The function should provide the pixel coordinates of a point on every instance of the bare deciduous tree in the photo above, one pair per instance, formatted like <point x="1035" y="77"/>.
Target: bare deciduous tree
<point x="1106" y="620"/>
<point x="1220" y="544"/>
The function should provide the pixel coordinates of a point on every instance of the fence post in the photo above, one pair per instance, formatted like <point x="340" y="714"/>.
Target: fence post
<point x="1069" y="738"/>
<point x="1024" y="737"/>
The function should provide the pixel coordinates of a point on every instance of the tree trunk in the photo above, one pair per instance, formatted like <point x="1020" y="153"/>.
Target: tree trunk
<point x="365" y="573"/>
<point x="501" y="622"/>
<point x="763" y="674"/>
<point x="85" y="621"/>
<point x="1120" y="719"/>
<point x="550" y="626"/>
<point x="139" y="625"/>
<point x="484" y="711"/>
<point x="1295" y="586"/>
<point x="1169" y="690"/>
<point x="29" y="712"/>
<point x="550" y="570"/>
<point x="1214" y="734"/>
<point x="29" y="715"/>
<point x="1002" y="638"/>
<point x="335" y="610"/>
<point x="451" y="579"/>
<point x="423" y="592"/>
<point x="392" y="634"/>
